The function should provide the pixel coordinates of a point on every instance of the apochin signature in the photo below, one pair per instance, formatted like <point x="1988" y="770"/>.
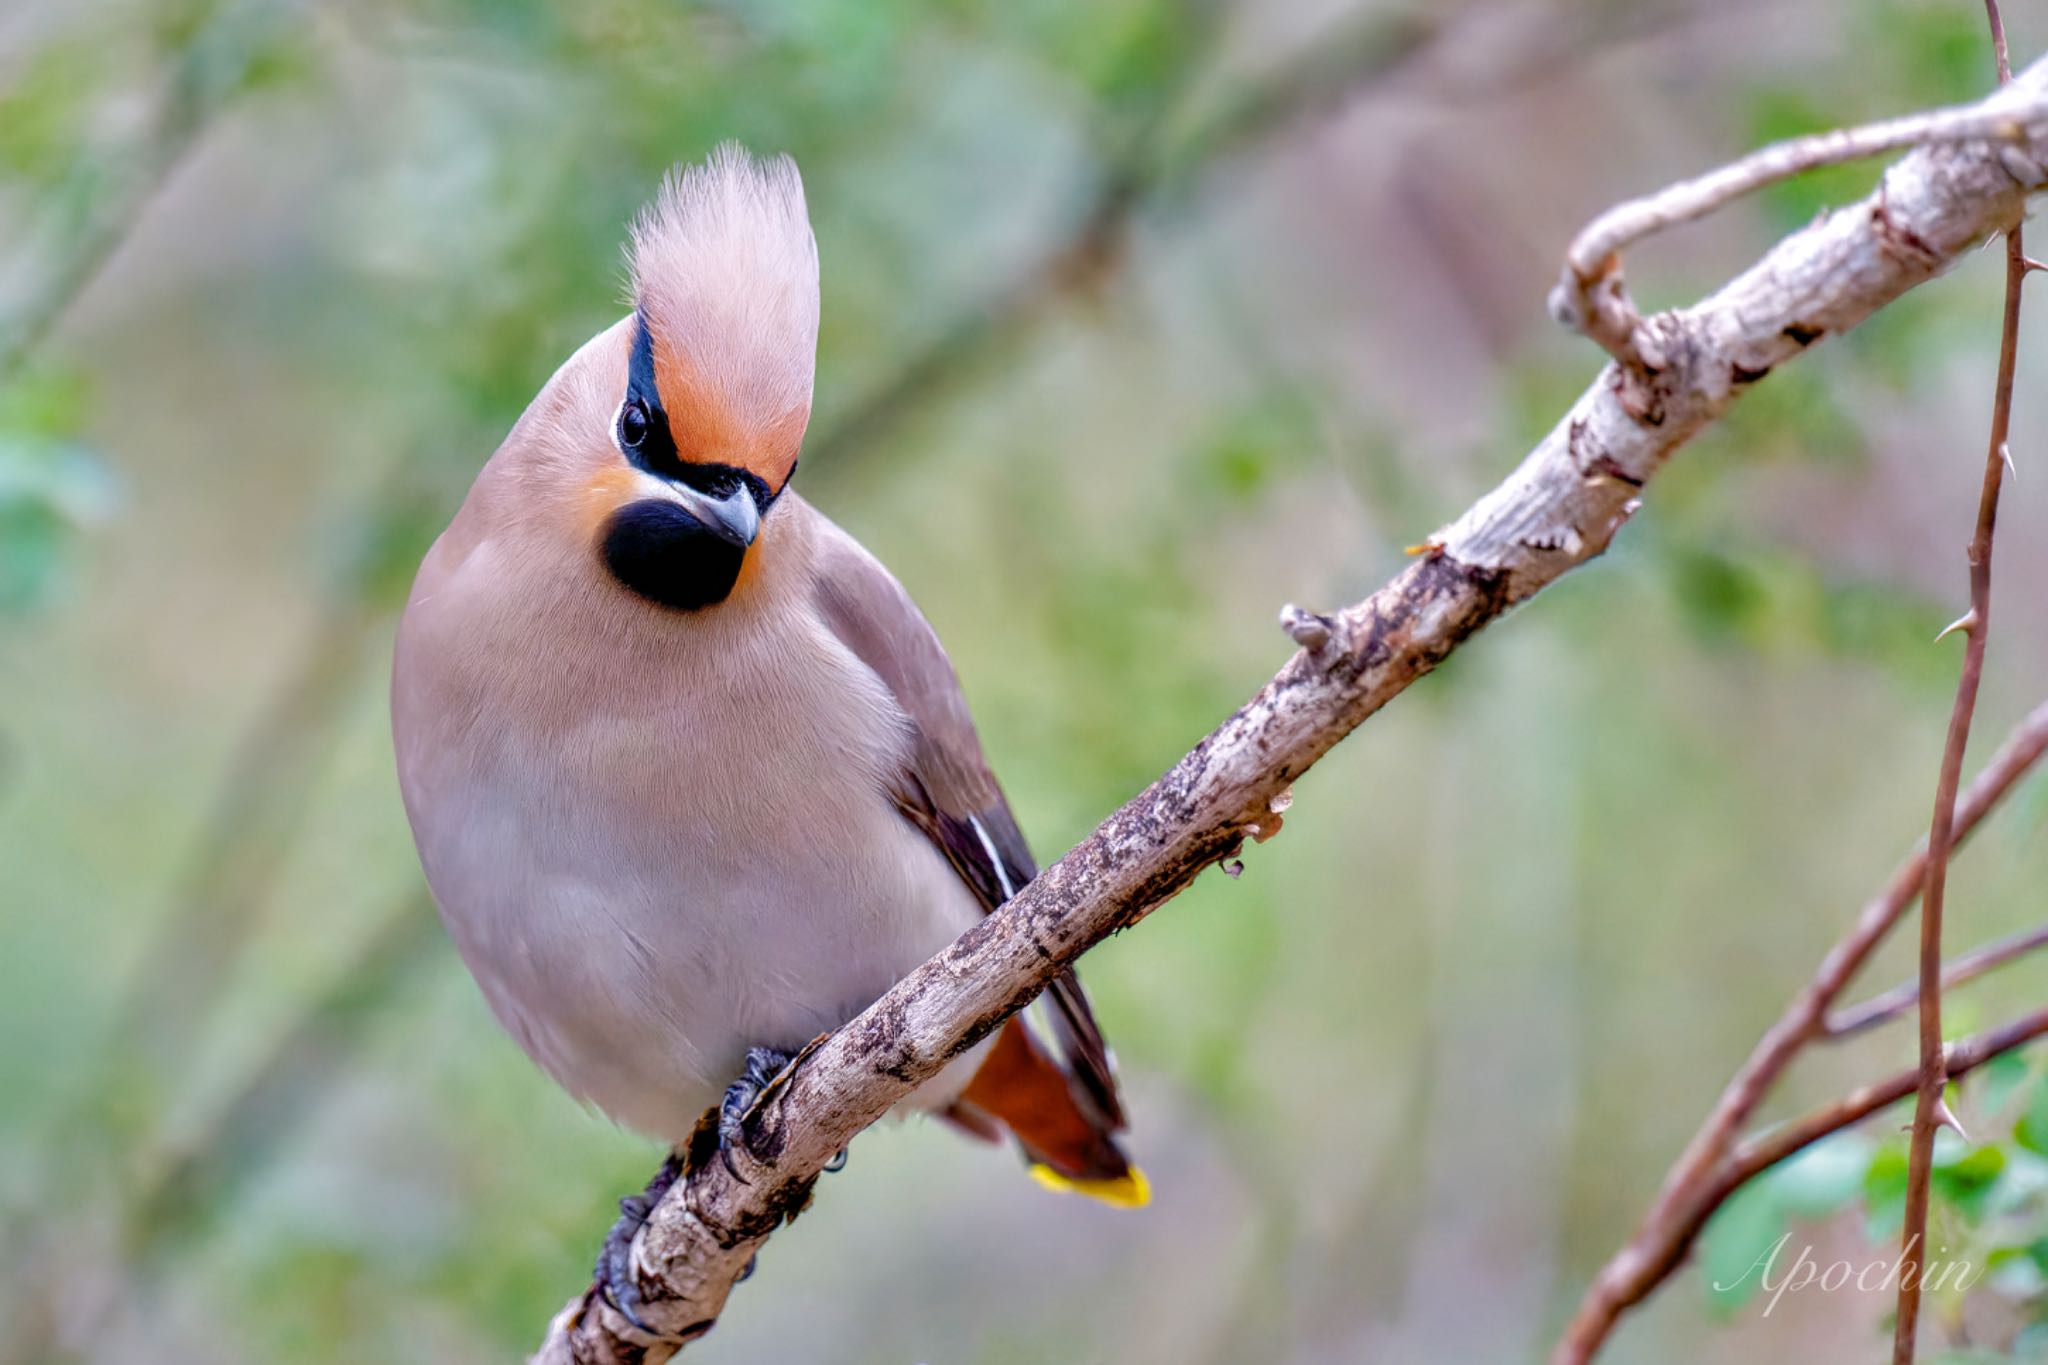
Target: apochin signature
<point x="1832" y="1276"/>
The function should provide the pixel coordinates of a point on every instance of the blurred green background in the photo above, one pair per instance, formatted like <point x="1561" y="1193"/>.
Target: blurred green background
<point x="1141" y="317"/>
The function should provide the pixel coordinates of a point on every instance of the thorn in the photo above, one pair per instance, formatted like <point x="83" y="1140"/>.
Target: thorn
<point x="1946" y="1117"/>
<point x="2029" y="264"/>
<point x="1967" y="621"/>
<point x="1305" y="628"/>
<point x="2005" y="453"/>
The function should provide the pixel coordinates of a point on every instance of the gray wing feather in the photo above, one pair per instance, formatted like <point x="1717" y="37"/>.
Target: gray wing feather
<point x="949" y="791"/>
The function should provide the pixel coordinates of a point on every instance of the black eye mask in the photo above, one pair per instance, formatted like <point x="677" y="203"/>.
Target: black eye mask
<point x="643" y="433"/>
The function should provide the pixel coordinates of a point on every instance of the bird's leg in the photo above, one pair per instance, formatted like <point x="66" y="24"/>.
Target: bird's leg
<point x="615" y="1262"/>
<point x="764" y="1066"/>
<point x="767" y="1067"/>
<point x="724" y="1126"/>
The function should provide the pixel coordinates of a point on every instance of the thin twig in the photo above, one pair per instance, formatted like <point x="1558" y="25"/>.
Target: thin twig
<point x="1766" y="1150"/>
<point x="1930" y="1109"/>
<point x="1693" y="1188"/>
<point x="1959" y="971"/>
<point x="1558" y="510"/>
<point x="1751" y="1158"/>
<point x="1590" y="295"/>
<point x="257" y="806"/>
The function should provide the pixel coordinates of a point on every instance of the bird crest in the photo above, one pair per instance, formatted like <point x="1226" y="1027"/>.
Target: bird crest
<point x="725" y="290"/>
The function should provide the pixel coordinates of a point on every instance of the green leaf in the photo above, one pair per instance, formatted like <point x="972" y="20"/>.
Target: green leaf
<point x="2015" y="1274"/>
<point x="1964" y="1175"/>
<point x="44" y="108"/>
<point x="1824" y="1178"/>
<point x="2031" y="1132"/>
<point x="1884" y="1192"/>
<point x="49" y="490"/>
<point x="1738" y="1243"/>
<point x="45" y="401"/>
<point x="1721" y="597"/>
<point x="2020" y="1190"/>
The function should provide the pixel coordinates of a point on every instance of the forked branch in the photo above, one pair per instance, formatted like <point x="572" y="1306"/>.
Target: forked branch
<point x="1556" y="511"/>
<point x="1714" y="1164"/>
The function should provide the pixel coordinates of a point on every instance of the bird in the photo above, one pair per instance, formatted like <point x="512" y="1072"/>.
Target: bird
<point x="691" y="778"/>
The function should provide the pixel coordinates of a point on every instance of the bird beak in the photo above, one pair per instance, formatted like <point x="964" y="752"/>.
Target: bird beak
<point x="733" y="518"/>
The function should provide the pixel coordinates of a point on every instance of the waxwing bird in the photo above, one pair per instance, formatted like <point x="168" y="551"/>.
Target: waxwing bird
<point x="691" y="778"/>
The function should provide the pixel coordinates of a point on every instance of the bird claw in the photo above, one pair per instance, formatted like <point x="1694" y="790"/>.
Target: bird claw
<point x="614" y="1274"/>
<point x="615" y="1277"/>
<point x="764" y="1065"/>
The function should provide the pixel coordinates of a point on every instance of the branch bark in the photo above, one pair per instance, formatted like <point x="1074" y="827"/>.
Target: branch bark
<point x="1559" y="509"/>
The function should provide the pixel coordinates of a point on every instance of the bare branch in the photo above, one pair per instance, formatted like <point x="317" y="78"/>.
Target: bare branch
<point x="1590" y="296"/>
<point x="1766" y="1150"/>
<point x="1901" y="998"/>
<point x="1556" y="511"/>
<point x="1752" y="1158"/>
<point x="1930" y="1111"/>
<point x="1695" y="1186"/>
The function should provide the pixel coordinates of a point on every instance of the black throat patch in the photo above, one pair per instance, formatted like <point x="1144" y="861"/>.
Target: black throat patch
<point x="654" y="547"/>
<point x="667" y="556"/>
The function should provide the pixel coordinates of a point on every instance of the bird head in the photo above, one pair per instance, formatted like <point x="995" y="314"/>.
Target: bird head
<point x="723" y="345"/>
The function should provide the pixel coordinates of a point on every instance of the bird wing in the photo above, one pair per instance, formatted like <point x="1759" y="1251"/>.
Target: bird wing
<point x="949" y="791"/>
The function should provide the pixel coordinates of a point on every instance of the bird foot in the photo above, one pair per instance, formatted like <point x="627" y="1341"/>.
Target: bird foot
<point x="615" y="1263"/>
<point x="765" y="1065"/>
<point x="765" y="1068"/>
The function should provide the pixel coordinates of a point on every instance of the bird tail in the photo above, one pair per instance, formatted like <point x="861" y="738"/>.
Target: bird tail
<point x="1071" y="1146"/>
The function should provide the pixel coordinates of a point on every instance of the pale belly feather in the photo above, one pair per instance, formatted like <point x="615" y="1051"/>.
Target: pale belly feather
<point x="651" y="891"/>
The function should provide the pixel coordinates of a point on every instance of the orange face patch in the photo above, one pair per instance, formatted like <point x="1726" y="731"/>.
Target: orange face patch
<point x="708" y="428"/>
<point x="610" y="488"/>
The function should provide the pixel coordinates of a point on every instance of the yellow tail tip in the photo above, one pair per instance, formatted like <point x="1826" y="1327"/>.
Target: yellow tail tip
<point x="1130" y="1190"/>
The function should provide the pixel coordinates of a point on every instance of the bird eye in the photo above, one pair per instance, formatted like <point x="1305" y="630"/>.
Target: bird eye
<point x="632" y="424"/>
